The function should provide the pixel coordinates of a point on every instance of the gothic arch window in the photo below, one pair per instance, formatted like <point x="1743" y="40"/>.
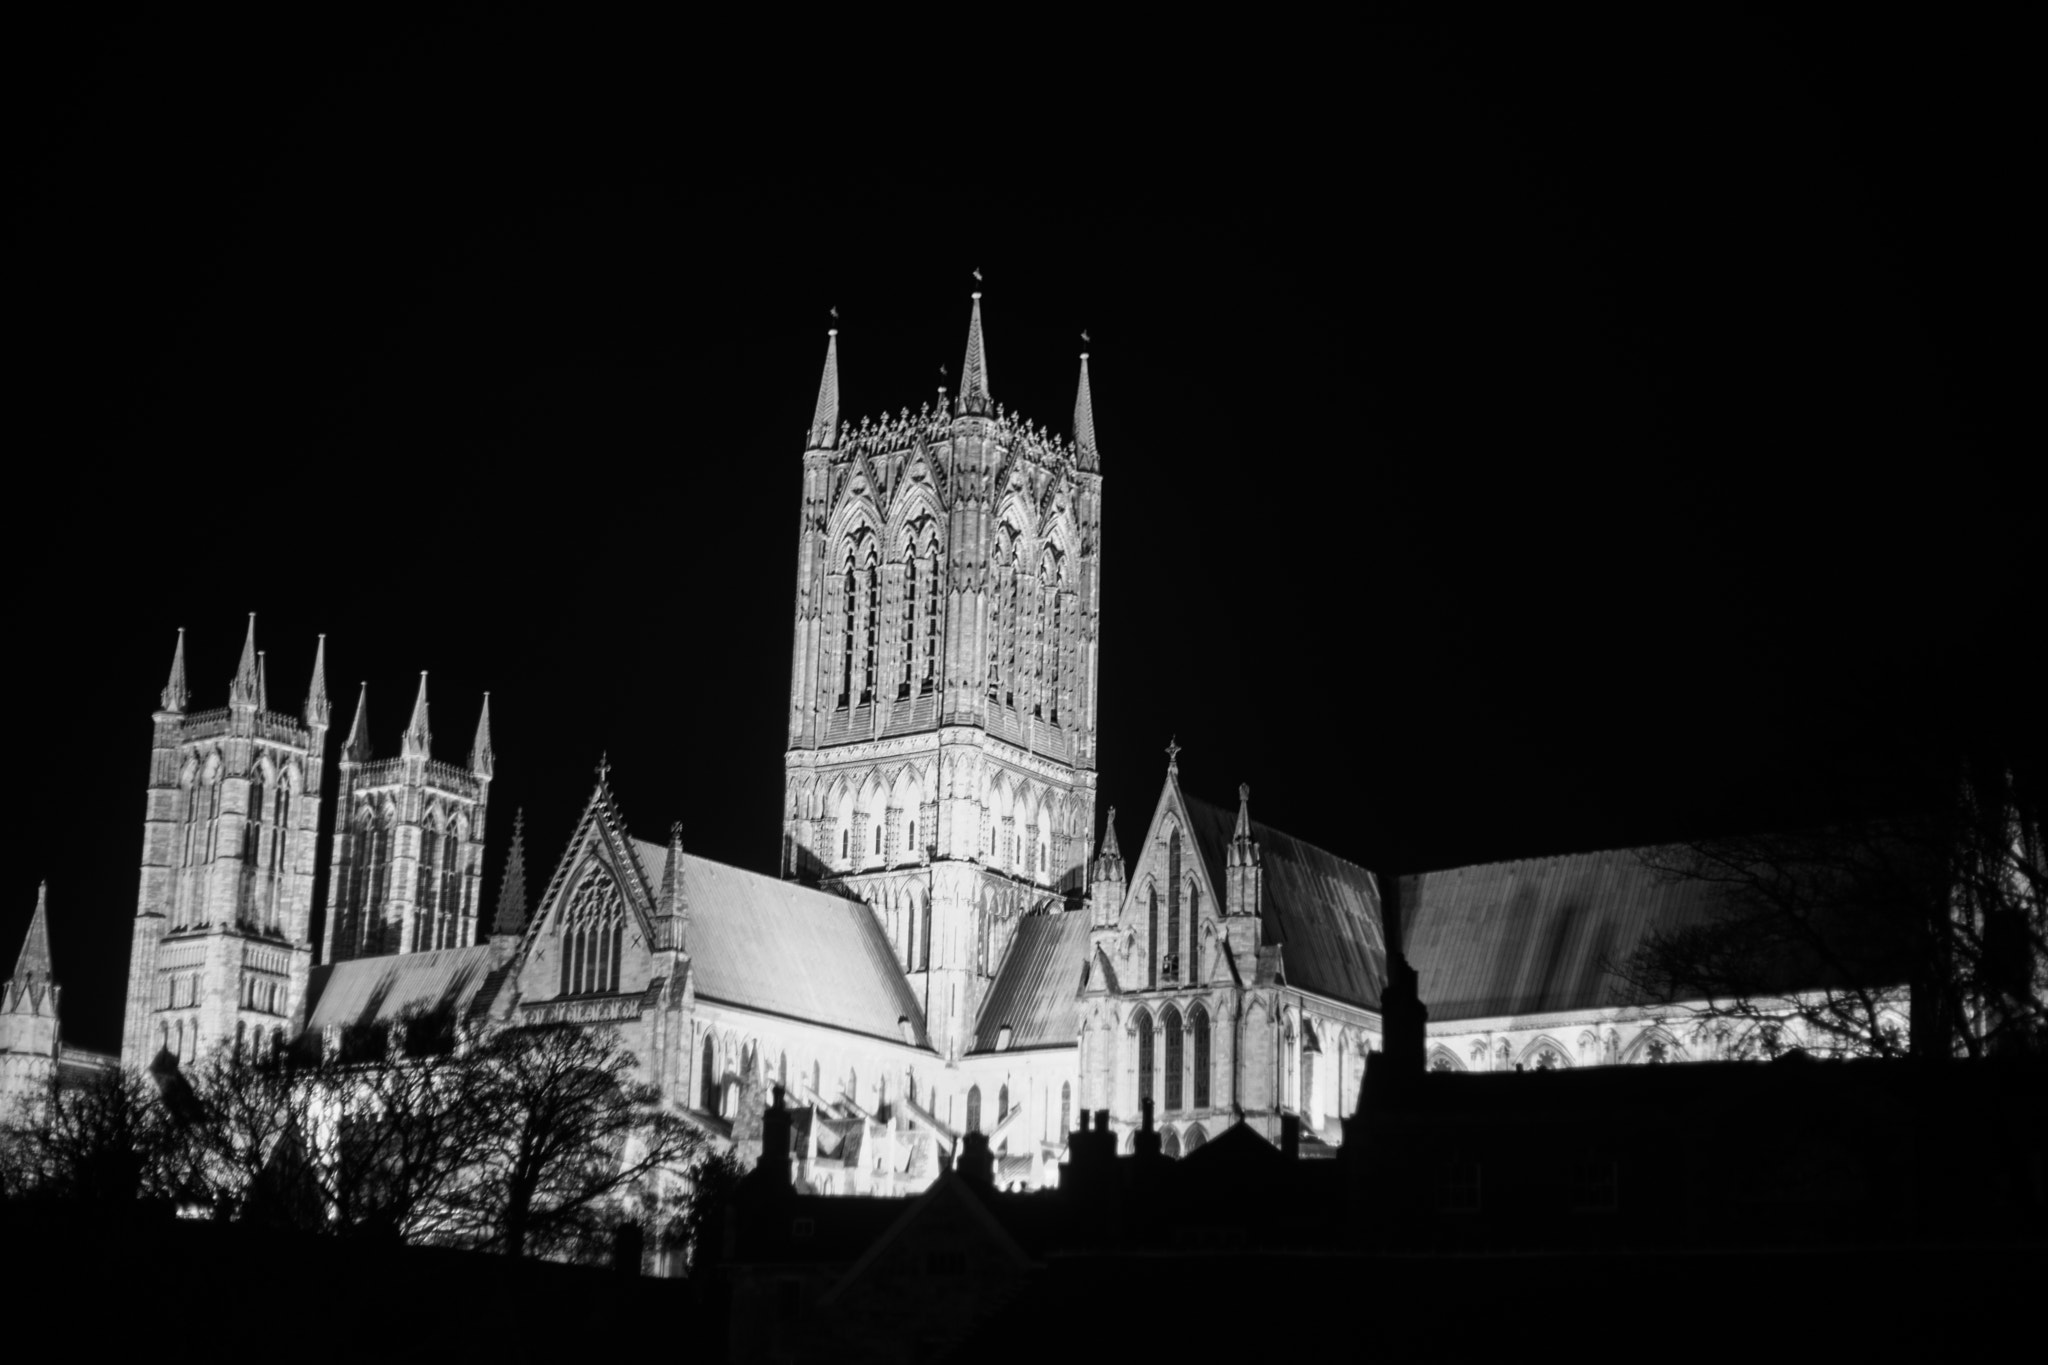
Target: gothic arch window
<point x="1144" y="1057"/>
<point x="1544" y="1054"/>
<point x="1198" y="1025"/>
<point x="1173" y="1059"/>
<point x="1504" y="1055"/>
<point x="252" y="831"/>
<point x="1152" y="936"/>
<point x="1194" y="958"/>
<point x="195" y="815"/>
<point x="871" y="583"/>
<point x="973" y="1108"/>
<point x="1066" y="1109"/>
<point x="593" y="936"/>
<point x="1194" y="1140"/>
<point x="1170" y="967"/>
<point x="934" y="610"/>
<point x="1002" y="1103"/>
<point x="850" y="610"/>
<point x="1169" y="1143"/>
<point x="1310" y="1053"/>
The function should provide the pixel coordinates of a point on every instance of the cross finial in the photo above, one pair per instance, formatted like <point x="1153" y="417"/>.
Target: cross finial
<point x="977" y="274"/>
<point x="604" y="767"/>
<point x="1173" y="754"/>
<point x="1084" y="336"/>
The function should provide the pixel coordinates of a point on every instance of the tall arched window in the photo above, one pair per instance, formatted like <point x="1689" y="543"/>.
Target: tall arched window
<point x="1169" y="1143"/>
<point x="1066" y="1109"/>
<point x="1195" y="1138"/>
<point x="195" y="817"/>
<point x="1002" y="1104"/>
<point x="451" y="883"/>
<point x="935" y="600"/>
<point x="850" y="609"/>
<point x="593" y="936"/>
<point x="973" y="1108"/>
<point x="871" y="577"/>
<point x="707" y="1095"/>
<point x="1193" y="963"/>
<point x="1172" y="963"/>
<point x="1198" y="1024"/>
<point x="1173" y="1059"/>
<point x="1144" y="1056"/>
<point x="1152" y="935"/>
<point x="252" y="832"/>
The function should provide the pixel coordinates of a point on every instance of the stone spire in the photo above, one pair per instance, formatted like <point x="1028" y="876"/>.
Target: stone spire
<point x="317" y="710"/>
<point x="356" y="748"/>
<point x="419" y="740"/>
<point x="175" y="694"/>
<point x="248" y="684"/>
<point x="1084" y="422"/>
<point x="32" y="968"/>
<point x="481" y="760"/>
<point x="825" y="421"/>
<point x="511" y="915"/>
<point x="974" y="394"/>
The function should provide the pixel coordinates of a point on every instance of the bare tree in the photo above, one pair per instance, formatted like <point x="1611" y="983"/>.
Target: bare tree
<point x="108" y="1141"/>
<point x="568" y="1143"/>
<point x="1925" y="934"/>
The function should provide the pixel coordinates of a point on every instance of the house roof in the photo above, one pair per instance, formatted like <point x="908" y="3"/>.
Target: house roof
<point x="1037" y="991"/>
<point x="378" y="989"/>
<point x="1323" y="910"/>
<point x="765" y="944"/>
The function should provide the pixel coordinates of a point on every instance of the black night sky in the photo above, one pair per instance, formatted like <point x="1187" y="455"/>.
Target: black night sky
<point x="1516" y="439"/>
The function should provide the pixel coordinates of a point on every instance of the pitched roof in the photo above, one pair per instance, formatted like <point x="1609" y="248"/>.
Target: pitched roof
<point x="1323" y="910"/>
<point x="765" y="944"/>
<point x="378" y="989"/>
<point x="1531" y="936"/>
<point x="1037" y="991"/>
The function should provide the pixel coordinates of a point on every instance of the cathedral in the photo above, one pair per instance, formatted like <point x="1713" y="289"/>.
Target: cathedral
<point x="954" y="941"/>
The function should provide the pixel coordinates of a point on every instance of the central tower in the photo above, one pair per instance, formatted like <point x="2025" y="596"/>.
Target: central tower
<point x="942" y="712"/>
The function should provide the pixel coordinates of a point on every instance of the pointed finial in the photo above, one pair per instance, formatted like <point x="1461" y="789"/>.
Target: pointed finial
<point x="1244" y="811"/>
<point x="175" y="694"/>
<point x="356" y="748"/>
<point x="243" y="691"/>
<point x="316" y="694"/>
<point x="1173" y="754"/>
<point x="482" y="761"/>
<point x="825" y="420"/>
<point x="511" y="914"/>
<point x="974" y="390"/>
<point x="673" y="899"/>
<point x="1084" y="417"/>
<point x="1109" y="848"/>
<point x="32" y="968"/>
<point x="418" y="738"/>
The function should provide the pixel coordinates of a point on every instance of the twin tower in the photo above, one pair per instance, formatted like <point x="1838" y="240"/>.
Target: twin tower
<point x="940" y="760"/>
<point x="230" y="850"/>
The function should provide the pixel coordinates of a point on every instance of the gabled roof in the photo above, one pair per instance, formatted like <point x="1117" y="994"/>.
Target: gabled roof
<point x="1323" y="910"/>
<point x="1532" y="936"/>
<point x="765" y="944"/>
<point x="378" y="989"/>
<point x="1037" y="991"/>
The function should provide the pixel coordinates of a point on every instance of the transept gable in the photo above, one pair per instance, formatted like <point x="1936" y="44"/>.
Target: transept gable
<point x="594" y="929"/>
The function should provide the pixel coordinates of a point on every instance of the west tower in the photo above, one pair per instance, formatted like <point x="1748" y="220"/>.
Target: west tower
<point x="221" y="944"/>
<point x="942" y="718"/>
<point x="409" y="841"/>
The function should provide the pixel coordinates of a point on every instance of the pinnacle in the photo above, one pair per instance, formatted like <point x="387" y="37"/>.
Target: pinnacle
<point x="1084" y="420"/>
<point x="511" y="914"/>
<point x="262" y="682"/>
<point x="418" y="738"/>
<point x="32" y="968"/>
<point x="357" y="746"/>
<point x="1244" y="811"/>
<point x="825" y="420"/>
<point x="317" y="709"/>
<point x="175" y="694"/>
<point x="248" y="684"/>
<point x="1109" y="848"/>
<point x="481" y="759"/>
<point x="974" y="390"/>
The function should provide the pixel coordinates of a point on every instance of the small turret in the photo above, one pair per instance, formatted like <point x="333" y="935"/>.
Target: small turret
<point x="246" y="690"/>
<point x="419" y="740"/>
<point x="316" y="693"/>
<point x="175" y="693"/>
<point x="1241" y="860"/>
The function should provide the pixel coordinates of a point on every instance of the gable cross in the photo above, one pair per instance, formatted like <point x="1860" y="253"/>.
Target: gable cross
<point x="1173" y="754"/>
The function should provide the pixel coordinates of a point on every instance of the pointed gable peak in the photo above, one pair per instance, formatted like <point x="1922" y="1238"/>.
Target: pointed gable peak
<point x="825" y="418"/>
<point x="1084" y="421"/>
<point x="356" y="748"/>
<point x="419" y="739"/>
<point x="974" y="390"/>
<point x="32" y="967"/>
<point x="317" y="709"/>
<point x="248" y="683"/>
<point x="175" y="693"/>
<point x="481" y="760"/>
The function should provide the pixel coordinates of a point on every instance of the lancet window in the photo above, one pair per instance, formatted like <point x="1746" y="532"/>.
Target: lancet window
<point x="1050" y="640"/>
<point x="1198" y="1025"/>
<point x="1171" y="966"/>
<point x="1152" y="935"/>
<point x="593" y="936"/>
<point x="871" y="576"/>
<point x="850" y="585"/>
<point x="973" y="1108"/>
<point x="1144" y="1056"/>
<point x="934" y="609"/>
<point x="1193" y="961"/>
<point x="1173" y="1058"/>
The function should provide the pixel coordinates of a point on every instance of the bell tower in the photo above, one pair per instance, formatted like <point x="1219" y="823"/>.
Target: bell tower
<point x="221" y="944"/>
<point x="942" y="707"/>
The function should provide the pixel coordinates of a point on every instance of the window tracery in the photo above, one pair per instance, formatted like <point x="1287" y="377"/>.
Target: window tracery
<point x="1173" y="1059"/>
<point x="1198" y="1024"/>
<point x="593" y="936"/>
<point x="1144" y="1056"/>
